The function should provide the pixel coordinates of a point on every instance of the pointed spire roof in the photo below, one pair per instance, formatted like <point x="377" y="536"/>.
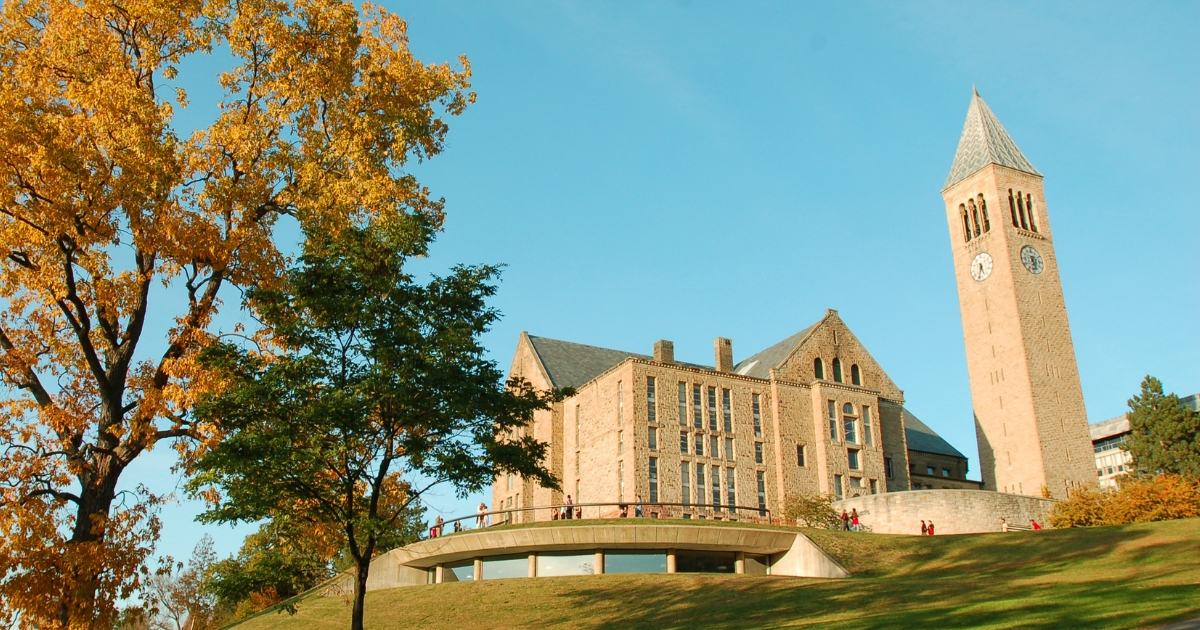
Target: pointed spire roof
<point x="984" y="141"/>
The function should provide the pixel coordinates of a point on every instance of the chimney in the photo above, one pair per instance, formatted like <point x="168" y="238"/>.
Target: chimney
<point x="664" y="351"/>
<point x="724" y="348"/>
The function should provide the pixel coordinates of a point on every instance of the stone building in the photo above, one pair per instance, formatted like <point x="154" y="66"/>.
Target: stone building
<point x="1030" y="421"/>
<point x="814" y="413"/>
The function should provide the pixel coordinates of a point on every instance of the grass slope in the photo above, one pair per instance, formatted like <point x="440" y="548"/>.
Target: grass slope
<point x="1112" y="577"/>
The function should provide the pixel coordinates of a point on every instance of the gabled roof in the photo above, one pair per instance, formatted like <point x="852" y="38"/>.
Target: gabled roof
<point x="921" y="438"/>
<point x="984" y="141"/>
<point x="570" y="364"/>
<point x="759" y="365"/>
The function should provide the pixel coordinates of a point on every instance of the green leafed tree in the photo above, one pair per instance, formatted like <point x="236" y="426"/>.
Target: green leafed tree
<point x="376" y="390"/>
<point x="1165" y="436"/>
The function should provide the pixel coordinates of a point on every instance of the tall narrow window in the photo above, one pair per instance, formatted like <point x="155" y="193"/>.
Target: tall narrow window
<point x="758" y="453"/>
<point x="730" y="488"/>
<point x="818" y="369"/>
<point x="620" y="403"/>
<point x="849" y="423"/>
<point x="855" y="374"/>
<point x="1021" y="209"/>
<point x="683" y="404"/>
<point x="726" y="410"/>
<point x="1012" y="208"/>
<point x="716" y="488"/>
<point x="966" y="222"/>
<point x="683" y="443"/>
<point x="1029" y="210"/>
<point x="831" y="412"/>
<point x="729" y="449"/>
<point x="853" y="460"/>
<point x="987" y="224"/>
<point x="800" y="455"/>
<point x="714" y="448"/>
<point x="697" y="417"/>
<point x="762" y="494"/>
<point x="620" y="442"/>
<point x="974" y="217"/>
<point x="868" y="430"/>
<point x="578" y="426"/>
<point x="700" y="485"/>
<point x="837" y="370"/>
<point x="651" y="405"/>
<point x="887" y="467"/>
<point x="712" y="408"/>
<point x="757" y="413"/>
<point x="699" y="445"/>
<point x="837" y="487"/>
<point x="652" y="438"/>
<point x="653" y="480"/>
<point x="578" y="497"/>
<point x="620" y="481"/>
<point x="685" y="482"/>
<point x="874" y="487"/>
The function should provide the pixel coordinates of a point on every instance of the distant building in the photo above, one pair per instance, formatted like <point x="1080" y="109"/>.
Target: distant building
<point x="813" y="413"/>
<point x="1107" y="437"/>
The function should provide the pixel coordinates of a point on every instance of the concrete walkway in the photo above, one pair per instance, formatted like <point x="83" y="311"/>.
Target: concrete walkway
<point x="1190" y="624"/>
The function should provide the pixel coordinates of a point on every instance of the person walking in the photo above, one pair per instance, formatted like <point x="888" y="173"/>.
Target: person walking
<point x="570" y="509"/>
<point x="437" y="527"/>
<point x="854" y="527"/>
<point x="930" y="528"/>
<point x="637" y="508"/>
<point x="845" y="521"/>
<point x="924" y="528"/>
<point x="1003" y="525"/>
<point x="1034" y="525"/>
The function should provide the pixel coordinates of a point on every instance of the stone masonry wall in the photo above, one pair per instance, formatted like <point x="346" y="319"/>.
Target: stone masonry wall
<point x="952" y="511"/>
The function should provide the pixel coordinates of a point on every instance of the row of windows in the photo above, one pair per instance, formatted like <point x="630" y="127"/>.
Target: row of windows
<point x="819" y="371"/>
<point x="840" y="488"/>
<point x="975" y="220"/>
<point x="850" y="424"/>
<point x="1111" y="443"/>
<point x="703" y="489"/>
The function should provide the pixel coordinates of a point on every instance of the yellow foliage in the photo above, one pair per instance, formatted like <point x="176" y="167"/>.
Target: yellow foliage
<point x="104" y="202"/>
<point x="1137" y="500"/>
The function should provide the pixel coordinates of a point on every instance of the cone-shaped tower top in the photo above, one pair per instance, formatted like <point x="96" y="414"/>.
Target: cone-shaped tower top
<point x="984" y="141"/>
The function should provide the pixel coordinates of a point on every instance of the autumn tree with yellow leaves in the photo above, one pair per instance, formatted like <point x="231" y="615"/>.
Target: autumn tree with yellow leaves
<point x="105" y="202"/>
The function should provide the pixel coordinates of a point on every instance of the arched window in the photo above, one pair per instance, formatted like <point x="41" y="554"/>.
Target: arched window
<point x="987" y="224"/>
<point x="974" y="215"/>
<point x="818" y="369"/>
<point x="1012" y="208"/>
<point x="855" y="375"/>
<point x="837" y="370"/>
<point x="1029" y="209"/>
<point x="962" y="212"/>
<point x="1021" y="210"/>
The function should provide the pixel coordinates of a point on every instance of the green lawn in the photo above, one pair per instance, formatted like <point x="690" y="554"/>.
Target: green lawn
<point x="1112" y="577"/>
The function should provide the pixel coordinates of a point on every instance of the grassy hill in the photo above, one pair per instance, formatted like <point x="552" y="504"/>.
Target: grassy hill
<point x="1130" y="576"/>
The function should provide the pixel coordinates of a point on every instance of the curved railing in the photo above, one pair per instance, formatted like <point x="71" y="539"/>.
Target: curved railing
<point x="619" y="509"/>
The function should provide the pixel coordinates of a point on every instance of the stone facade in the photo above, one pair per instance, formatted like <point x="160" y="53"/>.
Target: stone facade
<point x="777" y="438"/>
<point x="952" y="511"/>
<point x="1030" y="421"/>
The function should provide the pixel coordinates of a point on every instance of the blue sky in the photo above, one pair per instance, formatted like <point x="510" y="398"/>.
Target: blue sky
<point x="687" y="170"/>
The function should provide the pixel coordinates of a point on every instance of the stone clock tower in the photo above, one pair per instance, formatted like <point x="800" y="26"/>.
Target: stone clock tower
<point x="1029" y="416"/>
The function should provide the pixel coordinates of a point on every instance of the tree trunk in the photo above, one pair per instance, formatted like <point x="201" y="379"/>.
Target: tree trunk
<point x="95" y="499"/>
<point x="362" y="567"/>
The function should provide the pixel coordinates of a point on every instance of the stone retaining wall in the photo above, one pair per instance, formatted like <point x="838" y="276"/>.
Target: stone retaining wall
<point x="952" y="511"/>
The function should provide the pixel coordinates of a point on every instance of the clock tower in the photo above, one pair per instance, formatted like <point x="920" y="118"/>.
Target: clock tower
<point x="1030" y="420"/>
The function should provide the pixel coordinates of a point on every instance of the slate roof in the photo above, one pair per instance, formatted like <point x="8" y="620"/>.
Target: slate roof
<point x="921" y="438"/>
<point x="759" y="365"/>
<point x="572" y="364"/>
<point x="984" y="141"/>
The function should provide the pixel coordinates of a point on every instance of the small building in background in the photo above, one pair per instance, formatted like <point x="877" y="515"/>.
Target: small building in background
<point x="1112" y="461"/>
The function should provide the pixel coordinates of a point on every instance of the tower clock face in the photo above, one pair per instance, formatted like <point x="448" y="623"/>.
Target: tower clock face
<point x="1032" y="259"/>
<point x="981" y="267"/>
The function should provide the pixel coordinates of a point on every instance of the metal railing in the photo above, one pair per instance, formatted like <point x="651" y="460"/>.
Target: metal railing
<point x="590" y="511"/>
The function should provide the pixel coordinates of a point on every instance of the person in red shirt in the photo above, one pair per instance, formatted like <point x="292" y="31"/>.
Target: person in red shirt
<point x="1034" y="525"/>
<point x="930" y="528"/>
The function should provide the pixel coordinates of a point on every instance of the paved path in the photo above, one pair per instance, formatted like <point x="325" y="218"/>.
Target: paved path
<point x="1190" y="624"/>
